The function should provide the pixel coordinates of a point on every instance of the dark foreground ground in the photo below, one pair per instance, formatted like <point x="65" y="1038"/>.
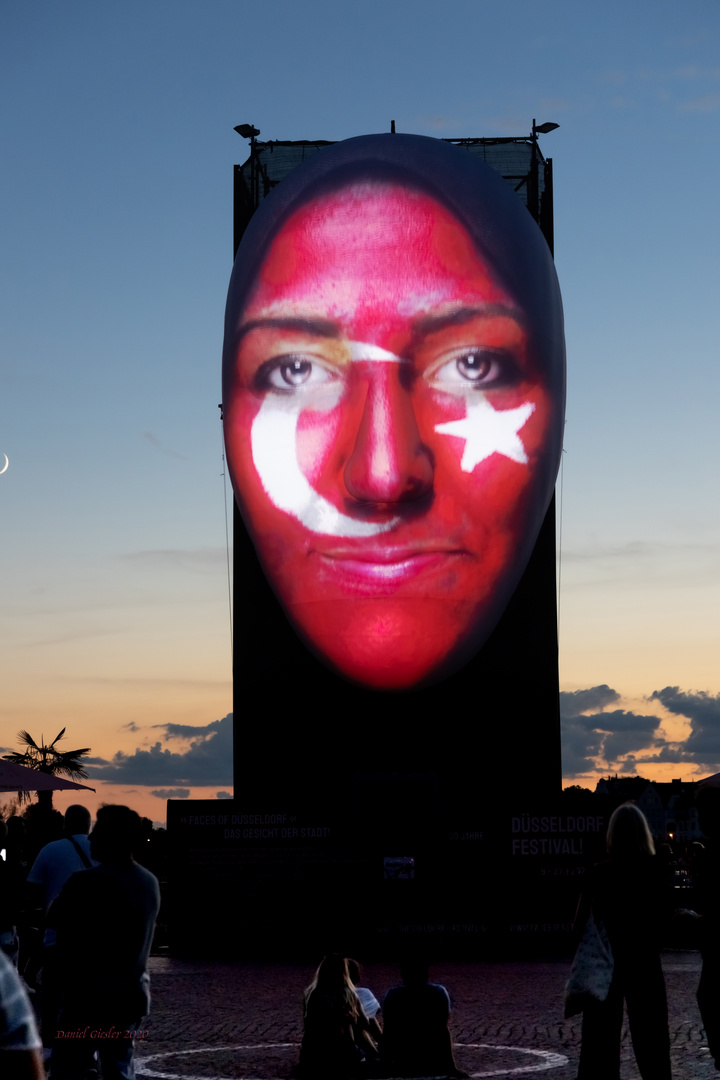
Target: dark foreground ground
<point x="216" y="1021"/>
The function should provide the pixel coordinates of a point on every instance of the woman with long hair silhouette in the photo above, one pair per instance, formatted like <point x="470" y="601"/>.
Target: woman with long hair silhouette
<point x="627" y="895"/>
<point x="336" y="1041"/>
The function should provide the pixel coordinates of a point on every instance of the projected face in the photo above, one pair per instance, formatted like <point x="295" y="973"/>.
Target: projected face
<point x="385" y="429"/>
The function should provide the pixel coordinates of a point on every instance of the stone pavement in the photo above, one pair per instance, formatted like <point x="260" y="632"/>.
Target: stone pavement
<point x="227" y="1021"/>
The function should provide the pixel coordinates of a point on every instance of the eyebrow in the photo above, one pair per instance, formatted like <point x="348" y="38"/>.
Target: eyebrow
<point x="317" y="327"/>
<point x="421" y="325"/>
<point x="435" y="321"/>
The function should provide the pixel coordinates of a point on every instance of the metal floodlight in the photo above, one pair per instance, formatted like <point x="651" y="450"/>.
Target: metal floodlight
<point x="249" y="132"/>
<point x="542" y="129"/>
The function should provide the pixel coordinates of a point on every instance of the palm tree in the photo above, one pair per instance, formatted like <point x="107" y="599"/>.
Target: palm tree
<point x="50" y="760"/>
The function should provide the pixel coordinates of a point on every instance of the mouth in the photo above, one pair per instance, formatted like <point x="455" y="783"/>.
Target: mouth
<point x="382" y="566"/>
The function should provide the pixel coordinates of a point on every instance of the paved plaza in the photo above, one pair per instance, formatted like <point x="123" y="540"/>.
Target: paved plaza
<point x="227" y="1021"/>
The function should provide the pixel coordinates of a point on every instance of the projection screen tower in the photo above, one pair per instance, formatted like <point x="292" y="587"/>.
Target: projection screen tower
<point x="373" y="793"/>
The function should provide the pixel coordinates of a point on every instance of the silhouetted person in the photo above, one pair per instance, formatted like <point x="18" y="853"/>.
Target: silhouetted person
<point x="370" y="1004"/>
<point x="707" y="886"/>
<point x="17" y="862"/>
<point x="628" y="894"/>
<point x="9" y="906"/>
<point x="20" y="1057"/>
<point x="59" y="859"/>
<point x="17" y="847"/>
<point x="336" y="1041"/>
<point x="105" y="918"/>
<point x="416" y="1039"/>
<point x="55" y="863"/>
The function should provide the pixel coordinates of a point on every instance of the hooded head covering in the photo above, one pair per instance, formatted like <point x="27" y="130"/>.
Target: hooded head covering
<point x="502" y="229"/>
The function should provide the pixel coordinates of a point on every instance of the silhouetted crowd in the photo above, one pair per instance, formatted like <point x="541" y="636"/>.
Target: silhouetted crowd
<point x="99" y="908"/>
<point x="624" y="910"/>
<point x="89" y="971"/>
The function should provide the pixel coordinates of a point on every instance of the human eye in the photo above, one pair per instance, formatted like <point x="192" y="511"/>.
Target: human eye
<point x="291" y="373"/>
<point x="476" y="367"/>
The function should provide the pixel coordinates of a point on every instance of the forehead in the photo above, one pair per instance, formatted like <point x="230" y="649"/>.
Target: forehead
<point x="370" y="242"/>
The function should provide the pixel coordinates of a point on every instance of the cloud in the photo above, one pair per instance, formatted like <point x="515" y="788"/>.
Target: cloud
<point x="581" y="742"/>
<point x="151" y="684"/>
<point x="223" y="795"/>
<point x="580" y="747"/>
<point x="639" y="563"/>
<point x="574" y="702"/>
<point x="172" y="793"/>
<point x="627" y="731"/>
<point x="633" y="549"/>
<point x="186" y="731"/>
<point x="702" y="709"/>
<point x="206" y="763"/>
<point x="706" y="103"/>
<point x="92" y="632"/>
<point x="553" y="104"/>
<point x="694" y="71"/>
<point x="666" y="756"/>
<point x="591" y="736"/>
<point x="203" y="560"/>
<point x="699" y="706"/>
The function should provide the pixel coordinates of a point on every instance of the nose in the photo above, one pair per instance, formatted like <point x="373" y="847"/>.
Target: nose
<point x="389" y="462"/>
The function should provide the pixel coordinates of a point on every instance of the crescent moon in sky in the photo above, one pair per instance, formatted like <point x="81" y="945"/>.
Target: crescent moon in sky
<point x="7" y="462"/>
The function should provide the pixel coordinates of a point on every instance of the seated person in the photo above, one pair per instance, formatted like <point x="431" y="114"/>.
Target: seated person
<point x="370" y="1004"/>
<point x="416" y="1039"/>
<point x="336" y="1041"/>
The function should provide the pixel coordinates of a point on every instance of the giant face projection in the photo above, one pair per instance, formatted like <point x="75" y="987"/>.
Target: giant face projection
<point x="393" y="389"/>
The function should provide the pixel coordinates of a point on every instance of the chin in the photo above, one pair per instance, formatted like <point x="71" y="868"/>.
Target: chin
<point x="392" y="645"/>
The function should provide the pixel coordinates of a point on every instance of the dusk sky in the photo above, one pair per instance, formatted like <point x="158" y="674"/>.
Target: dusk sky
<point x="117" y="129"/>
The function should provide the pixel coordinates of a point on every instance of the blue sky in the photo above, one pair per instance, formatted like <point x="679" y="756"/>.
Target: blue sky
<point x="117" y="125"/>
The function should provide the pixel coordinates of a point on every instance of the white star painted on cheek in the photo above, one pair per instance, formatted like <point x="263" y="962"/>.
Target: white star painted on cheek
<point x="489" y="431"/>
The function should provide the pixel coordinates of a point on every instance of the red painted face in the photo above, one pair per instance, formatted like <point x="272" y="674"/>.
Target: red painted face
<point x="385" y="431"/>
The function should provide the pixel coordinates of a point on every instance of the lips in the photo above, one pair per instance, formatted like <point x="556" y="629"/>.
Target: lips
<point x="384" y="568"/>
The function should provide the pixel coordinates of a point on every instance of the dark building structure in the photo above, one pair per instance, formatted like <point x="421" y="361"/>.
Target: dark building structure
<point x="360" y="815"/>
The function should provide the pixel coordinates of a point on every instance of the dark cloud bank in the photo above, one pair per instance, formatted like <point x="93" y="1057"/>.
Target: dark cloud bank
<point x="596" y="736"/>
<point x="207" y="762"/>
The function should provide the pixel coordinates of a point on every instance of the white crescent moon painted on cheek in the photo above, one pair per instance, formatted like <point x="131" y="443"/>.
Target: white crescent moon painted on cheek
<point x="274" y="449"/>
<point x="7" y="462"/>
